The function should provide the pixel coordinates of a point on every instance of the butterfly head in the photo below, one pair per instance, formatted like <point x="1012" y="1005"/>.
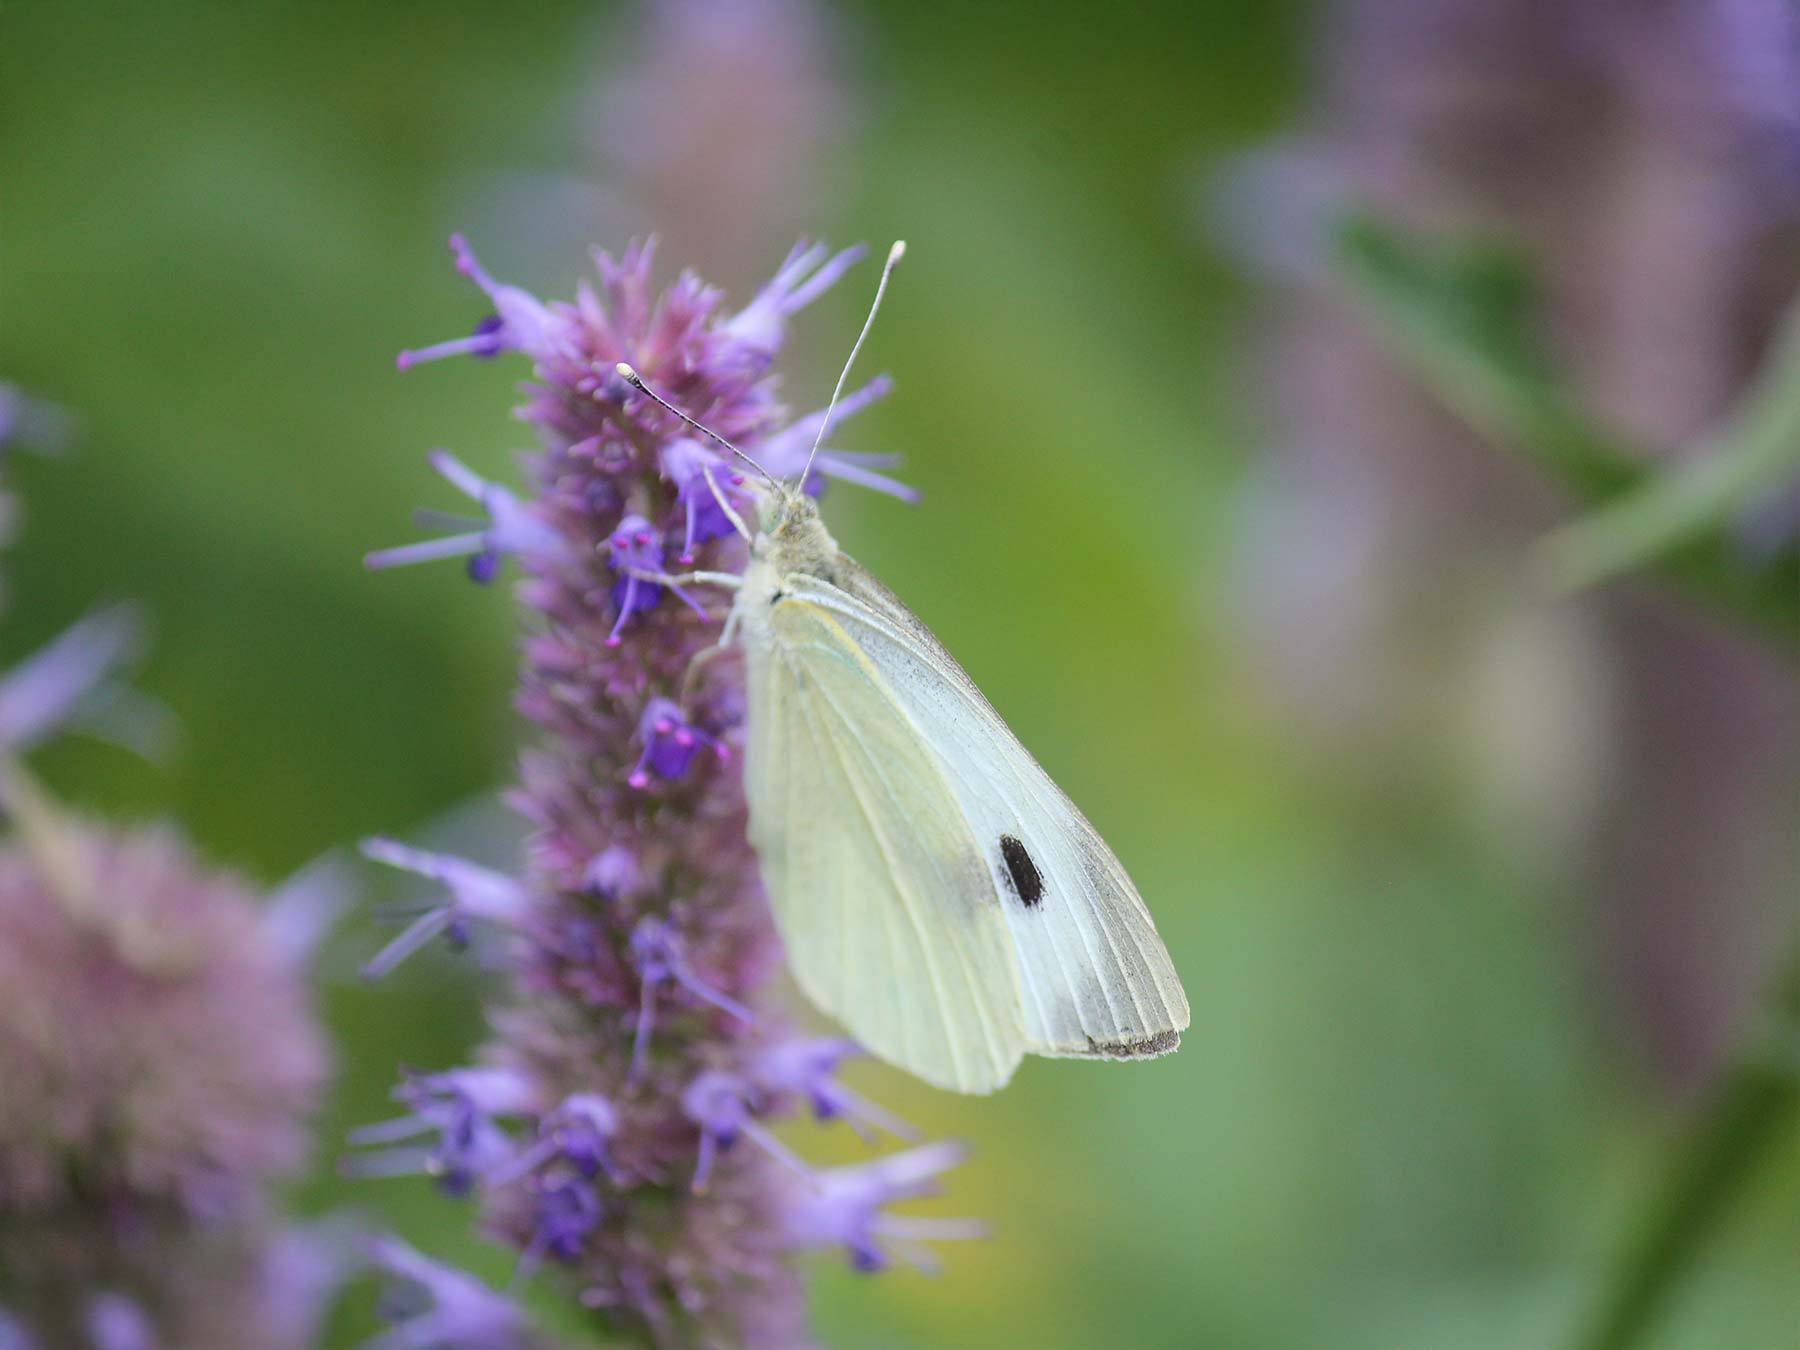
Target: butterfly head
<point x="791" y="535"/>
<point x="789" y="531"/>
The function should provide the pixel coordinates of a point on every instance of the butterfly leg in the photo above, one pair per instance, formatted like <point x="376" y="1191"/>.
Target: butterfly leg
<point x="696" y="665"/>
<point x="737" y="521"/>
<point x="729" y="580"/>
<point x="731" y="623"/>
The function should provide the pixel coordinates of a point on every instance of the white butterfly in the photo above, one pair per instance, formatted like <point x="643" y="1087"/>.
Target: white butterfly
<point x="936" y="891"/>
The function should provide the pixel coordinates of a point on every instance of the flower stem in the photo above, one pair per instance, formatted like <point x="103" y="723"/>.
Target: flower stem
<point x="1718" y="1154"/>
<point x="1461" y="315"/>
<point x="1755" y="457"/>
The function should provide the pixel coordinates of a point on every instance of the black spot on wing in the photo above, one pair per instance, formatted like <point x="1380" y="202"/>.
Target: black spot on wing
<point x="1027" y="882"/>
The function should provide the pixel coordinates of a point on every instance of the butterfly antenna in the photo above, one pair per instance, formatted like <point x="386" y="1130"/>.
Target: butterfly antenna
<point x="897" y="252"/>
<point x="636" y="381"/>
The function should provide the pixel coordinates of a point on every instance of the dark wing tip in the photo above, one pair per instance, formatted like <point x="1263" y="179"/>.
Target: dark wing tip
<point x="1146" y="1047"/>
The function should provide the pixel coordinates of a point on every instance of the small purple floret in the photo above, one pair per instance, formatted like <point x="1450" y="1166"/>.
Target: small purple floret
<point x="475" y="893"/>
<point x="578" y="1132"/>
<point x="807" y="1067"/>
<point x="459" y="1107"/>
<point x="656" y="950"/>
<point x="520" y="322"/>
<point x="568" y="1210"/>
<point x="613" y="873"/>
<point x="720" y="1103"/>
<point x="785" y="453"/>
<point x="670" y="743"/>
<point x="118" y="1322"/>
<point x="511" y="528"/>
<point x="809" y="271"/>
<point x="702" y="481"/>
<point x="845" y="1208"/>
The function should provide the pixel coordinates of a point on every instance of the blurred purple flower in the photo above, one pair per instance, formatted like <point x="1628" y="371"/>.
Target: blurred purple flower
<point x="1648" y="158"/>
<point x="68" y="682"/>
<point x="31" y="423"/>
<point x="59" y="682"/>
<point x="845" y="1208"/>
<point x="161" y="1063"/>
<point x="1758" y="46"/>
<point x="738" y="170"/>
<point x="458" y="1311"/>
<point x="602" y="1134"/>
<point x="116" y="1322"/>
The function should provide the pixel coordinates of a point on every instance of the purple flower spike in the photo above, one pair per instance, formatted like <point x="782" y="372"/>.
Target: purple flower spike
<point x="807" y="1066"/>
<point x="475" y="893"/>
<point x="670" y="743"/>
<point x="845" y="1208"/>
<point x="511" y="528"/>
<point x="720" y="1104"/>
<point x="639" y="1040"/>
<point x="462" y="1313"/>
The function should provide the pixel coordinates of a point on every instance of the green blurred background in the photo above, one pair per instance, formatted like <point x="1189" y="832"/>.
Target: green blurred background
<point x="1411" y="1109"/>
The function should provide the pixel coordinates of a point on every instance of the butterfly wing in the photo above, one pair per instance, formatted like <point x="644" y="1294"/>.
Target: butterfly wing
<point x="1095" y="978"/>
<point x="877" y="882"/>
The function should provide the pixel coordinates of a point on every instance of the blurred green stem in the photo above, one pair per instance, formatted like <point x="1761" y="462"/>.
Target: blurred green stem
<point x="1718" y="1155"/>
<point x="1757" y="455"/>
<point x="1461" y="317"/>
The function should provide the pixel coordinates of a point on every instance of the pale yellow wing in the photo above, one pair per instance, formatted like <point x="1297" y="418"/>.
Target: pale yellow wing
<point x="1096" y="978"/>
<point x="882" y="893"/>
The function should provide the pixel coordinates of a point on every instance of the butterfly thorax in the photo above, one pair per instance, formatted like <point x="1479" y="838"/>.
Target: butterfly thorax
<point x="793" y="539"/>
